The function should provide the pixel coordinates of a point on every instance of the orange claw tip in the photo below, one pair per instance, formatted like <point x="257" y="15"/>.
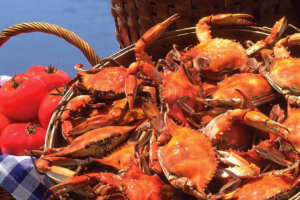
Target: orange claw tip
<point x="243" y="15"/>
<point x="170" y="20"/>
<point x="173" y="17"/>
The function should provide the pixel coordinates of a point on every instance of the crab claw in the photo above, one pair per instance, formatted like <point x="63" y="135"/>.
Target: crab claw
<point x="229" y="19"/>
<point x="203" y="30"/>
<point x="280" y="50"/>
<point x="262" y="122"/>
<point x="275" y="34"/>
<point x="152" y="34"/>
<point x="223" y="122"/>
<point x="277" y="31"/>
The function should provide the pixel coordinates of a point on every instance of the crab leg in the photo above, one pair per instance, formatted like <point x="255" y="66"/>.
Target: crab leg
<point x="234" y="102"/>
<point x="92" y="123"/>
<point x="240" y="167"/>
<point x="255" y="119"/>
<point x="231" y="158"/>
<point x="203" y="29"/>
<point x="60" y="174"/>
<point x="250" y="171"/>
<point x="98" y="121"/>
<point x="273" y="154"/>
<point x="45" y="163"/>
<point x="78" y="182"/>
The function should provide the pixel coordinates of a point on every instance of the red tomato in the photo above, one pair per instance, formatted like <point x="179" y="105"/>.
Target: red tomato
<point x="53" y="78"/>
<point x="49" y="103"/>
<point x="4" y="122"/>
<point x="18" y="137"/>
<point x="20" y="97"/>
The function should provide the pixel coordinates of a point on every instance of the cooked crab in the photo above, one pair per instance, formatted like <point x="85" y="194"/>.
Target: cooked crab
<point x="186" y="156"/>
<point x="283" y="71"/>
<point x="222" y="56"/>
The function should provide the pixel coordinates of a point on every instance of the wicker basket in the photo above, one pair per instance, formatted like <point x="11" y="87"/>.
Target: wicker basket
<point x="134" y="17"/>
<point x="160" y="47"/>
<point x="65" y="34"/>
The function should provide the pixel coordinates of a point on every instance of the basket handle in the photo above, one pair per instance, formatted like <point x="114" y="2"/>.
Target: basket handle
<point x="44" y="27"/>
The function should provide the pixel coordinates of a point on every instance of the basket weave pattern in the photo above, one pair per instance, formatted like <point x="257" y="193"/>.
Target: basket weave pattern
<point x="134" y="17"/>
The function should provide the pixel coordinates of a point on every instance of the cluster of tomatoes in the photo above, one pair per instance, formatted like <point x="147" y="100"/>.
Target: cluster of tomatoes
<point x="27" y="102"/>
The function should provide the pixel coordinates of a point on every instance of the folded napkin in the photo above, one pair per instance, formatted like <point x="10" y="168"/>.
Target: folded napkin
<point x="18" y="176"/>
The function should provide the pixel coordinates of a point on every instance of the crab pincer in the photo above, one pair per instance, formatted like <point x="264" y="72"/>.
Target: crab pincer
<point x="275" y="34"/>
<point x="151" y="35"/>
<point x="202" y="28"/>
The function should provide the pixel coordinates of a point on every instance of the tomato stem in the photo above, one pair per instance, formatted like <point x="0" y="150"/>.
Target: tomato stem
<point x="30" y="128"/>
<point x="60" y="93"/>
<point x="15" y="84"/>
<point x="50" y="69"/>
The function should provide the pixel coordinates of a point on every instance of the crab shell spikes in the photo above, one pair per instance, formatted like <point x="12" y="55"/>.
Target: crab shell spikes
<point x="140" y="186"/>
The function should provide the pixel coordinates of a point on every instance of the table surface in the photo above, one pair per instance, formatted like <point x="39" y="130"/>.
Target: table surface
<point x="90" y="19"/>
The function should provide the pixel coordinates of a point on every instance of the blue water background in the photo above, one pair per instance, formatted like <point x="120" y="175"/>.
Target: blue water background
<point x="90" y="19"/>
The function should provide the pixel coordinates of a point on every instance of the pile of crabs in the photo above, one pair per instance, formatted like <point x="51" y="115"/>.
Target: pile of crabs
<point x="215" y="120"/>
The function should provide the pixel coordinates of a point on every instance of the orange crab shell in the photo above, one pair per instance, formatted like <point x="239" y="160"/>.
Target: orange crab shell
<point x="108" y="79"/>
<point x="189" y="154"/>
<point x="286" y="73"/>
<point x="293" y="122"/>
<point x="264" y="187"/>
<point x="254" y="86"/>
<point x="225" y="56"/>
<point x="140" y="186"/>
